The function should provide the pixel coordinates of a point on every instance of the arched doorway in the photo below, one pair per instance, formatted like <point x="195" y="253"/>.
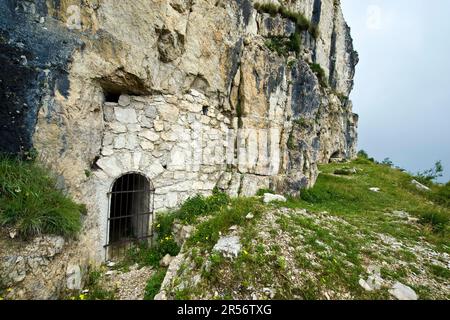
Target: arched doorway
<point x="130" y="212"/>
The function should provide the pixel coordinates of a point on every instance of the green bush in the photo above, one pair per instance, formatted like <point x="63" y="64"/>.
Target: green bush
<point x="291" y="142"/>
<point x="437" y="220"/>
<point x="200" y="205"/>
<point x="279" y="45"/>
<point x="428" y="176"/>
<point x="154" y="284"/>
<point x="295" y="42"/>
<point x="440" y="272"/>
<point x="95" y="289"/>
<point x="302" y="122"/>
<point x="320" y="73"/>
<point x="30" y="201"/>
<point x="442" y="195"/>
<point x="363" y="154"/>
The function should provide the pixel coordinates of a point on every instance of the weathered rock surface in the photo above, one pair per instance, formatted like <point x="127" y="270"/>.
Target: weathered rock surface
<point x="42" y="268"/>
<point x="129" y="285"/>
<point x="402" y="292"/>
<point x="166" y="260"/>
<point x="268" y="198"/>
<point x="420" y="186"/>
<point x="374" y="280"/>
<point x="229" y="246"/>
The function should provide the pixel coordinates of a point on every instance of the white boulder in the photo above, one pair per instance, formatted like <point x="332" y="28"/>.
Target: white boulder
<point x="229" y="246"/>
<point x="402" y="292"/>
<point x="268" y="198"/>
<point x="420" y="186"/>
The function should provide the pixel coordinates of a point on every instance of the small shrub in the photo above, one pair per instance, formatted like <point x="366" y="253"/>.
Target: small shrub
<point x="93" y="277"/>
<point x="31" y="202"/>
<point x="291" y="64"/>
<point x="295" y="42"/>
<point x="440" y="272"/>
<point x="281" y="262"/>
<point x="363" y="154"/>
<point x="320" y="73"/>
<point x="302" y="123"/>
<point x="291" y="142"/>
<point x="154" y="284"/>
<point x="387" y="162"/>
<point x="428" y="176"/>
<point x="200" y="205"/>
<point x="314" y="30"/>
<point x="442" y="195"/>
<point x="278" y="45"/>
<point x="437" y="220"/>
<point x="96" y="291"/>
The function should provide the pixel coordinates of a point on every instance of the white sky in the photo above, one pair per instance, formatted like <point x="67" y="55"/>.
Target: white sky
<point x="402" y="83"/>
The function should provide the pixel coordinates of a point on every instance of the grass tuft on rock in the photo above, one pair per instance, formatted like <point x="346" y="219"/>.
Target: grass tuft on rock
<point x="31" y="202"/>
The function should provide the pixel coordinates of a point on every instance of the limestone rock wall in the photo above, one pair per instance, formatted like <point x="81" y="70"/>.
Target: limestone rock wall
<point x="186" y="92"/>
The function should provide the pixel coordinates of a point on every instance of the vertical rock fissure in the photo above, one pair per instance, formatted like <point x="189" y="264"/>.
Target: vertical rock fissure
<point x="331" y="78"/>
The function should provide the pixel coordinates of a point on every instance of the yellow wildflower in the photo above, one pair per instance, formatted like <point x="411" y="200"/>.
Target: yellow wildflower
<point x="9" y="289"/>
<point x="82" y="297"/>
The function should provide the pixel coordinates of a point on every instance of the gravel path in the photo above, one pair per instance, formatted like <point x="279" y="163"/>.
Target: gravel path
<point x="129" y="285"/>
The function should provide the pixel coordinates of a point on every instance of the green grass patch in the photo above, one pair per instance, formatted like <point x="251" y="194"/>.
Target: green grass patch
<point x="95" y="289"/>
<point x="31" y="202"/>
<point x="154" y="284"/>
<point x="440" y="272"/>
<point x="350" y="198"/>
<point x="208" y="232"/>
<point x="194" y="207"/>
<point x="262" y="192"/>
<point x="201" y="206"/>
<point x="437" y="220"/>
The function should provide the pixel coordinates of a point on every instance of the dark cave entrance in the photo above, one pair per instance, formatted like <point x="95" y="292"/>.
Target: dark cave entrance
<point x="130" y="210"/>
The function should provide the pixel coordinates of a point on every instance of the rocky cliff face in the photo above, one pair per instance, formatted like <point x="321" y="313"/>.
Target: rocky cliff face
<point x="194" y="94"/>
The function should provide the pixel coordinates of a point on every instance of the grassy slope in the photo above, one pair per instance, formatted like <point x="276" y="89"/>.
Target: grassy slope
<point x="349" y="197"/>
<point x="322" y="253"/>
